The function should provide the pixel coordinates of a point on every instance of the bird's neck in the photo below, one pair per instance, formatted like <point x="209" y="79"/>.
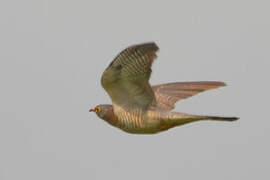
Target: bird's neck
<point x="110" y="117"/>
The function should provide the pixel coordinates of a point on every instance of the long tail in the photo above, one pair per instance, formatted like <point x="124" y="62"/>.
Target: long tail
<point x="177" y="119"/>
<point x="218" y="118"/>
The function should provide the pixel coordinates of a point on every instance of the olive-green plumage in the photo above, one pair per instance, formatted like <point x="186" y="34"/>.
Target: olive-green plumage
<point x="140" y="108"/>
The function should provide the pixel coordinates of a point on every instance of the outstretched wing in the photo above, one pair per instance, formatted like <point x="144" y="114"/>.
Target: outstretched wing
<point x="168" y="94"/>
<point x="126" y="78"/>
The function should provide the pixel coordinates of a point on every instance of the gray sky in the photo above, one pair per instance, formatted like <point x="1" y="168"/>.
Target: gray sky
<point x="53" y="54"/>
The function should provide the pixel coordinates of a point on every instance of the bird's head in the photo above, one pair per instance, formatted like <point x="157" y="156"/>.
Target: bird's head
<point x="104" y="111"/>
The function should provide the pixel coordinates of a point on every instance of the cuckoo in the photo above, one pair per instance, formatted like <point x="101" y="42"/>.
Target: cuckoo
<point x="139" y="108"/>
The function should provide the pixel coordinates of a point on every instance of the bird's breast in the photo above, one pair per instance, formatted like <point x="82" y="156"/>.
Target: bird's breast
<point x="136" y="120"/>
<point x="129" y="119"/>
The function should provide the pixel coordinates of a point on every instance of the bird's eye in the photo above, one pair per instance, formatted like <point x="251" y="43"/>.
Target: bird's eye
<point x="98" y="109"/>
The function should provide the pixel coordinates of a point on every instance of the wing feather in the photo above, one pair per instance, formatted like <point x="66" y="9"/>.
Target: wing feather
<point x="168" y="94"/>
<point x="126" y="80"/>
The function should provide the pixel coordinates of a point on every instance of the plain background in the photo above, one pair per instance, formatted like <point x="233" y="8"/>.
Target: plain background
<point x="52" y="55"/>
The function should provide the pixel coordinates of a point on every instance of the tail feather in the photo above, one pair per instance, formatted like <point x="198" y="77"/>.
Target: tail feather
<point x="177" y="115"/>
<point x="218" y="118"/>
<point x="177" y="119"/>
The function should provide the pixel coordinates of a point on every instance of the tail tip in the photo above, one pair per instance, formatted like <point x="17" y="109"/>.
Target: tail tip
<point x="224" y="118"/>
<point x="233" y="118"/>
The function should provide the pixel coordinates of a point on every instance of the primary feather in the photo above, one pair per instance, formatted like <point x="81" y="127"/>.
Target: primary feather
<point x="168" y="94"/>
<point x="126" y="79"/>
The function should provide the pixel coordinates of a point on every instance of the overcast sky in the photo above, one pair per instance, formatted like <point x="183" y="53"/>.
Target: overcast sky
<point x="52" y="55"/>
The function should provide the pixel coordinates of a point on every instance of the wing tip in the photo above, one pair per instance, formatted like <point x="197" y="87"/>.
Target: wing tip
<point x="220" y="84"/>
<point x="215" y="84"/>
<point x="151" y="45"/>
<point x="223" y="84"/>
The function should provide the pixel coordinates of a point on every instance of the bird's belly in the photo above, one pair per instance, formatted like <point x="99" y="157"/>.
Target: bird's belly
<point x="136" y="120"/>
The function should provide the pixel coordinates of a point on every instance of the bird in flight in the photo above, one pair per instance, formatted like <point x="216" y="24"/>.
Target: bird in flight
<point x="139" y="108"/>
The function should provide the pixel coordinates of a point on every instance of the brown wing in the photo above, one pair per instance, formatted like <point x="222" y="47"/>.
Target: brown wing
<point x="126" y="78"/>
<point x="168" y="94"/>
